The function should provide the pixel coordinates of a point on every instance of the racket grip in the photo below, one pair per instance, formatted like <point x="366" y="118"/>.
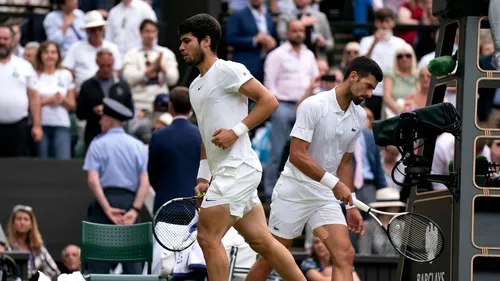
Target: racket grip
<point x="360" y="205"/>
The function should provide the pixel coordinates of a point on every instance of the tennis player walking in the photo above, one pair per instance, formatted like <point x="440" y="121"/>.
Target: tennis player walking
<point x="326" y="130"/>
<point x="219" y="96"/>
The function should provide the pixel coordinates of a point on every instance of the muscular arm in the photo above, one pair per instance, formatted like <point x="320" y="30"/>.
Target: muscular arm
<point x="265" y="105"/>
<point x="345" y="171"/>
<point x="303" y="161"/>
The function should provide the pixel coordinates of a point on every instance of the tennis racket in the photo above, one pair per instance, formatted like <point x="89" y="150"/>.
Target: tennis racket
<point x="175" y="224"/>
<point x="414" y="236"/>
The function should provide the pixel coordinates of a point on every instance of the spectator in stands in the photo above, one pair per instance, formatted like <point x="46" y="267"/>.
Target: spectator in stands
<point x="393" y="5"/>
<point x="321" y="83"/>
<point x="318" y="266"/>
<point x="64" y="25"/>
<point x="318" y="35"/>
<point x="375" y="240"/>
<point x="71" y="258"/>
<point x="103" y="6"/>
<point x="18" y="94"/>
<point x="80" y="58"/>
<point x="390" y="155"/>
<point x="16" y="24"/>
<point x="23" y="235"/>
<point x="116" y="165"/>
<point x="30" y="50"/>
<point x="57" y="95"/>
<point x="250" y="32"/>
<point x="288" y="70"/>
<point x="149" y="70"/>
<point x="381" y="47"/>
<point x="105" y="83"/>
<point x="322" y="66"/>
<point x="124" y="20"/>
<point x="351" y="51"/>
<point x="411" y="12"/>
<point x="174" y="157"/>
<point x="419" y="98"/>
<point x="399" y="82"/>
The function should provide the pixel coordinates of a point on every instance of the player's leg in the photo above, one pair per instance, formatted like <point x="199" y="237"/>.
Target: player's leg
<point x="254" y="229"/>
<point x="213" y="223"/>
<point x="261" y="269"/>
<point x="330" y="226"/>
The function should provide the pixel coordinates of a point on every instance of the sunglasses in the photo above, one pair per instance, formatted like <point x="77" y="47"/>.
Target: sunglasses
<point x="400" y="56"/>
<point x="22" y="208"/>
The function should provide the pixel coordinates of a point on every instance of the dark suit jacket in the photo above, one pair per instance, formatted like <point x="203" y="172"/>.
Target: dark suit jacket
<point x="374" y="159"/>
<point x="240" y="30"/>
<point x="91" y="95"/>
<point x="174" y="158"/>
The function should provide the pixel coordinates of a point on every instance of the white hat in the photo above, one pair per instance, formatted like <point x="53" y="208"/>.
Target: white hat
<point x="94" y="19"/>
<point x="387" y="197"/>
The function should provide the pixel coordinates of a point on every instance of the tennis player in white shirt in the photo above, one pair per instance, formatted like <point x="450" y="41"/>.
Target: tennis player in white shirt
<point x="230" y="170"/>
<point x="326" y="130"/>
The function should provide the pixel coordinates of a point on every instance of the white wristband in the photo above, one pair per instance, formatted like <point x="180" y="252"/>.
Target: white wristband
<point x="240" y="129"/>
<point x="329" y="180"/>
<point x="204" y="171"/>
<point x="353" y="196"/>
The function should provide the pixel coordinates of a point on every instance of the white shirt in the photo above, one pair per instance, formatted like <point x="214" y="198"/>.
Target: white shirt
<point x="48" y="85"/>
<point x="218" y="104"/>
<point x="16" y="76"/>
<point x="384" y="53"/>
<point x="81" y="58"/>
<point x="331" y="133"/>
<point x="124" y="22"/>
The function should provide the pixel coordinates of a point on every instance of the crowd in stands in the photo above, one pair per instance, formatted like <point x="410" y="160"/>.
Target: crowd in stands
<point x="92" y="46"/>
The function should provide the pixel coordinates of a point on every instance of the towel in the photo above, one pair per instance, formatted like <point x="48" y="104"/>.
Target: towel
<point x="190" y="263"/>
<point x="75" y="276"/>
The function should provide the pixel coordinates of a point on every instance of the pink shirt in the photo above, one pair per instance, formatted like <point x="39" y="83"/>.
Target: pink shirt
<point x="288" y="73"/>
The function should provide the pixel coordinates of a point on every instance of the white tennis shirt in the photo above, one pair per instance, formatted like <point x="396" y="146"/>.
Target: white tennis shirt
<point x="218" y="105"/>
<point x="331" y="133"/>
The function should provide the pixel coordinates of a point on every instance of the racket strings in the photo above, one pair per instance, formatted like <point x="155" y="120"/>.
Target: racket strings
<point x="176" y="225"/>
<point x="416" y="237"/>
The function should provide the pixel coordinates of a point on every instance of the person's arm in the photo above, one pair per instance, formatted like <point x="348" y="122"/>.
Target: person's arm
<point x="345" y="170"/>
<point x="404" y="17"/>
<point x="315" y="275"/>
<point x="271" y="71"/>
<point x="84" y="110"/>
<point x="54" y="32"/>
<point x="387" y="98"/>
<point x="133" y="72"/>
<point x="49" y="267"/>
<point x="265" y="103"/>
<point x="234" y="37"/>
<point x="171" y="68"/>
<point x="143" y="189"/>
<point x="69" y="102"/>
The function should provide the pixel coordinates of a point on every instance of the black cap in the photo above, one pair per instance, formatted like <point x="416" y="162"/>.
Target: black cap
<point x="116" y="110"/>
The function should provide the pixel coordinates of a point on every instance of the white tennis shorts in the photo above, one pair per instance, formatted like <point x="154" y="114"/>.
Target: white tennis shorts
<point x="235" y="187"/>
<point x="288" y="218"/>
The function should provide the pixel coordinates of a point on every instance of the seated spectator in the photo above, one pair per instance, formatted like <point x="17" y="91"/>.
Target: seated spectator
<point x="80" y="58"/>
<point x="390" y="156"/>
<point x="411" y="12"/>
<point x="318" y="266"/>
<point x="16" y="25"/>
<point x="419" y="98"/>
<point x="105" y="83"/>
<point x="399" y="82"/>
<point x="375" y="241"/>
<point x="57" y="95"/>
<point x="30" y="50"/>
<point x="64" y="25"/>
<point x="149" y="70"/>
<point x="23" y="235"/>
<point x="351" y="51"/>
<point x="71" y="258"/>
<point x="321" y="83"/>
<point x="318" y="35"/>
<point x="124" y="20"/>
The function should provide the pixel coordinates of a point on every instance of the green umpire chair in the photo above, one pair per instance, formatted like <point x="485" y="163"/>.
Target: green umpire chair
<point x="117" y="243"/>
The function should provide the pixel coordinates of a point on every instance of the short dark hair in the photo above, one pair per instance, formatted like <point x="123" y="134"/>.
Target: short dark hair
<point x="146" y="22"/>
<point x="383" y="14"/>
<point x="9" y="28"/>
<point x="364" y="66"/>
<point x="179" y="97"/>
<point x="201" y="26"/>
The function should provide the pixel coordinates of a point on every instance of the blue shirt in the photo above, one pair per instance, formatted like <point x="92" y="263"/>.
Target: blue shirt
<point x="118" y="157"/>
<point x="53" y="23"/>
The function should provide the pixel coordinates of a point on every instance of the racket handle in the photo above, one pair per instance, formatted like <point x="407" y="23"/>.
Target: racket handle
<point x="360" y="205"/>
